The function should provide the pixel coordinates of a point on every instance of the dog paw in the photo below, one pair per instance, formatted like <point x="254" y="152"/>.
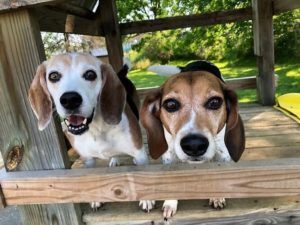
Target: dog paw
<point x="169" y="209"/>
<point x="114" y="162"/>
<point x="217" y="203"/>
<point x="147" y="205"/>
<point x="96" y="205"/>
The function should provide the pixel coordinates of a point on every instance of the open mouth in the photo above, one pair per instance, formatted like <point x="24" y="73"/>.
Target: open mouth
<point x="78" y="124"/>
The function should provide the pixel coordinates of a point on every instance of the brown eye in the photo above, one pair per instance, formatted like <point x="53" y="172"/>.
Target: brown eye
<point x="171" y="105"/>
<point x="90" y="75"/>
<point x="214" y="103"/>
<point x="54" y="77"/>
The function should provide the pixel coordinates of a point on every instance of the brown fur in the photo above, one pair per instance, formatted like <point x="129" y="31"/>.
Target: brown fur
<point x="134" y="128"/>
<point x="113" y="96"/>
<point x="192" y="90"/>
<point x="39" y="97"/>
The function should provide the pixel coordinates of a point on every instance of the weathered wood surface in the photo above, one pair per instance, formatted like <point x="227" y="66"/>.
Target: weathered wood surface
<point x="263" y="211"/>
<point x="242" y="180"/>
<point x="264" y="50"/>
<point x="21" y="51"/>
<point x="110" y="27"/>
<point x="14" y="4"/>
<point x="204" y="19"/>
<point x="53" y="20"/>
<point x="281" y="6"/>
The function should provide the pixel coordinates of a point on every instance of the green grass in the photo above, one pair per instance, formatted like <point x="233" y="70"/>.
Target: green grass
<point x="288" y="72"/>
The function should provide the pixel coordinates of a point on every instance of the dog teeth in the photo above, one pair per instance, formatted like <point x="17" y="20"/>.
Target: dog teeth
<point x="85" y="120"/>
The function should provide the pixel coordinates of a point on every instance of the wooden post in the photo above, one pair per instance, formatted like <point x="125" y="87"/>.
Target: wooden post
<point x="110" y="26"/>
<point x="264" y="50"/>
<point x="22" y="145"/>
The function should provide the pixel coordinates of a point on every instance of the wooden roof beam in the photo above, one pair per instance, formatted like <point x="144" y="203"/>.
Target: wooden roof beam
<point x="281" y="6"/>
<point x="186" y="21"/>
<point x="6" y="5"/>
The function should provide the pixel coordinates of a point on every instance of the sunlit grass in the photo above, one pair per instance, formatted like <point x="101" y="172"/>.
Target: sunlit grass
<point x="288" y="76"/>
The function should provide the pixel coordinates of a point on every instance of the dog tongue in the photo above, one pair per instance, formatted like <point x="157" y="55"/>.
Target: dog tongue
<point x="76" y="120"/>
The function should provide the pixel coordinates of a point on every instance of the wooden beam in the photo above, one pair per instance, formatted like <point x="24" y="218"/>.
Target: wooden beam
<point x="264" y="50"/>
<point x="281" y="6"/>
<point x="183" y="181"/>
<point x="186" y="21"/>
<point x="110" y="27"/>
<point x="6" y="5"/>
<point x="51" y="20"/>
<point x="22" y="146"/>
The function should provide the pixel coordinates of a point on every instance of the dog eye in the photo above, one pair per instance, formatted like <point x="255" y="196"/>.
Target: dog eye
<point x="214" y="103"/>
<point x="90" y="75"/>
<point x="171" y="105"/>
<point x="54" y="77"/>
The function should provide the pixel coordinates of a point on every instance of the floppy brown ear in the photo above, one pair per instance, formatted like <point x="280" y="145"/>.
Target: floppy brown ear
<point x="112" y="97"/>
<point x="151" y="122"/>
<point x="235" y="134"/>
<point x="39" y="98"/>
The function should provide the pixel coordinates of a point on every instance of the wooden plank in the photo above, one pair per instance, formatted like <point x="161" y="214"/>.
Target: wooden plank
<point x="51" y="20"/>
<point x="197" y="20"/>
<point x="271" y="153"/>
<point x="14" y="4"/>
<point x="185" y="181"/>
<point x="284" y="211"/>
<point x="110" y="26"/>
<point x="264" y="50"/>
<point x="284" y="6"/>
<point x="21" y="50"/>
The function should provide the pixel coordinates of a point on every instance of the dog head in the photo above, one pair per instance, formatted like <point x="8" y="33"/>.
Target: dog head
<point x="196" y="111"/>
<point x="80" y="86"/>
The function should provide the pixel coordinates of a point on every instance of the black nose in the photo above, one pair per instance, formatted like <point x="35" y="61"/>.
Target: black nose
<point x="71" y="100"/>
<point x="194" y="144"/>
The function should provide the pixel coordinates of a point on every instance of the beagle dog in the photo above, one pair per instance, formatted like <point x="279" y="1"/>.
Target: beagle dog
<point x="193" y="117"/>
<point x="91" y="100"/>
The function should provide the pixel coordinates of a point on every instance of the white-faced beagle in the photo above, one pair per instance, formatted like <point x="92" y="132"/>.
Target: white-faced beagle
<point x="91" y="100"/>
<point x="193" y="117"/>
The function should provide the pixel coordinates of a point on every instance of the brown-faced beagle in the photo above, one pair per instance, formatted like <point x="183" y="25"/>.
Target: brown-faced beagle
<point x="91" y="100"/>
<point x="193" y="117"/>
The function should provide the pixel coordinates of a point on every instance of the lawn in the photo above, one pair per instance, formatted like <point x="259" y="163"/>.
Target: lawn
<point x="288" y="76"/>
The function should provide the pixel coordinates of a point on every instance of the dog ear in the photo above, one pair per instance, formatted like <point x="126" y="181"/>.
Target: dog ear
<point x="112" y="97"/>
<point x="235" y="134"/>
<point x="39" y="98"/>
<point x="151" y="122"/>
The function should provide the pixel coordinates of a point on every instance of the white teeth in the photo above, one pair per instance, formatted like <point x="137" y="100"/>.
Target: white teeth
<point x="85" y="120"/>
<point x="67" y="122"/>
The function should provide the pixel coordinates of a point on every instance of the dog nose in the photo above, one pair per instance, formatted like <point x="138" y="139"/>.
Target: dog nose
<point x="194" y="145"/>
<point x="71" y="100"/>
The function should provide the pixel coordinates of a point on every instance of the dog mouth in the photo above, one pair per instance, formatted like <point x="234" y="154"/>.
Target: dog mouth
<point x="78" y="124"/>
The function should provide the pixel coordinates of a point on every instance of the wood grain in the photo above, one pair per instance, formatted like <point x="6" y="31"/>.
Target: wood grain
<point x="14" y="4"/>
<point x="110" y="27"/>
<point x="245" y="179"/>
<point x="204" y="19"/>
<point x="21" y="50"/>
<point x="264" y="50"/>
<point x="284" y="6"/>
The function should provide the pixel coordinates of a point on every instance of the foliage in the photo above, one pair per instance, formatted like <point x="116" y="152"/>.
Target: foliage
<point x="55" y="43"/>
<point x="224" y="41"/>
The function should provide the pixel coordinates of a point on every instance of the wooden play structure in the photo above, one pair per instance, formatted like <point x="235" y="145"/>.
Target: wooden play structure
<point x="264" y="186"/>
